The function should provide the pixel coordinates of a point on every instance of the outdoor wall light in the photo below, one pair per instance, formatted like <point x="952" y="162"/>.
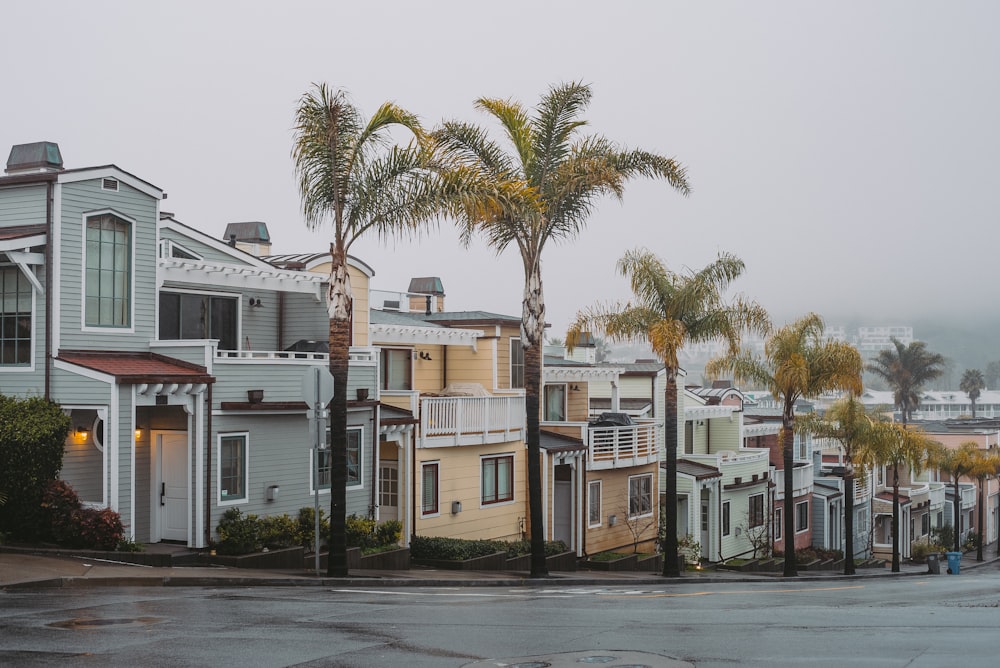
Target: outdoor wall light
<point x="612" y="520"/>
<point x="82" y="433"/>
<point x="255" y="302"/>
<point x="424" y="355"/>
<point x="138" y="432"/>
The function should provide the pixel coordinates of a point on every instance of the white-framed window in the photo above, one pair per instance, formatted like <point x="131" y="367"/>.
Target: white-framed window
<point x="234" y="458"/>
<point x="497" y="476"/>
<point x="320" y="471"/>
<point x="388" y="484"/>
<point x="778" y="526"/>
<point x="355" y="461"/>
<point x="925" y="524"/>
<point x="755" y="510"/>
<point x="429" y="488"/>
<point x="725" y="518"/>
<point x="396" y="369"/>
<point x="594" y="503"/>
<point x="16" y="309"/>
<point x="640" y="495"/>
<point x="516" y="363"/>
<point x="108" y="268"/>
<point x="801" y="516"/>
<point x="185" y="315"/>
<point x="321" y="476"/>
<point x="555" y="402"/>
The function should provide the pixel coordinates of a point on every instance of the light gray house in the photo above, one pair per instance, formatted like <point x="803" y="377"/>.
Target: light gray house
<point x="180" y="358"/>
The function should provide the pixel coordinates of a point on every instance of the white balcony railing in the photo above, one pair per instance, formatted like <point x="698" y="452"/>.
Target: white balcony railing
<point x="802" y="480"/>
<point x="968" y="495"/>
<point x="862" y="486"/>
<point x="356" y="355"/>
<point x="617" y="447"/>
<point x="450" y="421"/>
<point x="936" y="495"/>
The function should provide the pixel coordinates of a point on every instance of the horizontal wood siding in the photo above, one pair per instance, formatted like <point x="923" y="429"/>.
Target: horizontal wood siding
<point x="208" y="252"/>
<point x="466" y="365"/>
<point x="428" y="375"/>
<point x="459" y="480"/>
<point x="83" y="468"/>
<point x="22" y="205"/>
<point x="126" y="433"/>
<point x="304" y="318"/>
<point x="724" y="434"/>
<point x="614" y="501"/>
<point x="77" y="200"/>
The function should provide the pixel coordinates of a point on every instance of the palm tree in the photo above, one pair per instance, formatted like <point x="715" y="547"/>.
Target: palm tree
<point x="545" y="190"/>
<point x="907" y="369"/>
<point x="896" y="445"/>
<point x="965" y="460"/>
<point x="797" y="363"/>
<point x="972" y="383"/>
<point x="352" y="178"/>
<point x="669" y="311"/>
<point x="848" y="423"/>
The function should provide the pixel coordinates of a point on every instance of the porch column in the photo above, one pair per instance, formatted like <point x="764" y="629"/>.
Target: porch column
<point x="615" y="403"/>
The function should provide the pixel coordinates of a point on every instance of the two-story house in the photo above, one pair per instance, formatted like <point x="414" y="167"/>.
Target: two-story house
<point x="175" y="354"/>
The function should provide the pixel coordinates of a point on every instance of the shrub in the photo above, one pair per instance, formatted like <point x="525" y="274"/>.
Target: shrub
<point x="238" y="533"/>
<point x="69" y="524"/>
<point x="971" y="541"/>
<point x="307" y="528"/>
<point x="460" y="549"/>
<point x="32" y="438"/>
<point x="278" y="531"/>
<point x="944" y="535"/>
<point x="920" y="549"/>
<point x="98" y="529"/>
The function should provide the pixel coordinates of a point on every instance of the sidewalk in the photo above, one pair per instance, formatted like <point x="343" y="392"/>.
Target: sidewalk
<point x="21" y="570"/>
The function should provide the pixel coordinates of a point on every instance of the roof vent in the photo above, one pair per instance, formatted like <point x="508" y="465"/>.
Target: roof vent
<point x="41" y="156"/>
<point x="109" y="184"/>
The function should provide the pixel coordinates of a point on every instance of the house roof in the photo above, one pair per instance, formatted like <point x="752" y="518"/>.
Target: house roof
<point x="558" y="443"/>
<point x="21" y="231"/>
<point x="309" y="261"/>
<point x="471" y="318"/>
<point x="134" y="368"/>
<point x="696" y="470"/>
<point x="826" y="490"/>
<point x="426" y="285"/>
<point x="247" y="232"/>
<point x="392" y="415"/>
<point x="379" y="317"/>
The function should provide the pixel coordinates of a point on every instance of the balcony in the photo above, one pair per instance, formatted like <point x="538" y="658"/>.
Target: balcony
<point x="802" y="480"/>
<point x="936" y="495"/>
<point x="747" y="464"/>
<point x="622" y="446"/>
<point x="457" y="421"/>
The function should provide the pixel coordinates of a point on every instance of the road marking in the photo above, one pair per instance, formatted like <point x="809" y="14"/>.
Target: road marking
<point x="384" y="592"/>
<point x="735" y="591"/>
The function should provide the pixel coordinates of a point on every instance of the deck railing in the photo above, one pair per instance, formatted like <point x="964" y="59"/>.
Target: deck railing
<point x="450" y="421"/>
<point x="617" y="447"/>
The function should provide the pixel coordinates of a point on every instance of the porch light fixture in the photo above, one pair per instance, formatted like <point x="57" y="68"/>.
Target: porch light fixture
<point x="82" y="433"/>
<point x="138" y="432"/>
<point x="424" y="355"/>
<point x="255" y="302"/>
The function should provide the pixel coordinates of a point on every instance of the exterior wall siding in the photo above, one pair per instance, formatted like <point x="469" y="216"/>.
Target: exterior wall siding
<point x="208" y="252"/>
<point x="77" y="200"/>
<point x="614" y="501"/>
<point x="22" y="205"/>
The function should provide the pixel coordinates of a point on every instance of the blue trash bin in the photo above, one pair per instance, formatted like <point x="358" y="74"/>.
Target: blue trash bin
<point x="954" y="562"/>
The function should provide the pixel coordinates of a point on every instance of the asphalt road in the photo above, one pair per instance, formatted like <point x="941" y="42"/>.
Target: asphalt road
<point x="912" y="621"/>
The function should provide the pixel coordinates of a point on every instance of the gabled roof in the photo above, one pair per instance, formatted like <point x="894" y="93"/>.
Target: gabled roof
<point x="309" y="261"/>
<point x="135" y="368"/>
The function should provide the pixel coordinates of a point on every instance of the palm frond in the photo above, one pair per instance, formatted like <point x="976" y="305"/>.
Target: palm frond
<point x="515" y="123"/>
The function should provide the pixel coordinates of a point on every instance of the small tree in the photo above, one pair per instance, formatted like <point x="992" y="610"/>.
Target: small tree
<point x="637" y="525"/>
<point x="759" y="536"/>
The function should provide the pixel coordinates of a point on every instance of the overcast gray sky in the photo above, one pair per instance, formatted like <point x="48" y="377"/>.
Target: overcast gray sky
<point x="847" y="151"/>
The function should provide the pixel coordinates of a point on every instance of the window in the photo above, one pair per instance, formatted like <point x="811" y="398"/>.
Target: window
<point x="516" y="363"/>
<point x="594" y="503"/>
<point x="194" y="316"/>
<point x="388" y="484"/>
<point x="555" y="403"/>
<point x="321" y="478"/>
<point x="354" y="458"/>
<point x="802" y="516"/>
<point x="396" y="369"/>
<point x="233" y="467"/>
<point x="688" y="438"/>
<point x="108" y="277"/>
<point x="725" y="518"/>
<point x="15" y="318"/>
<point x="755" y="510"/>
<point x="778" y="526"/>
<point x="497" y="479"/>
<point x="429" y="488"/>
<point x="925" y="524"/>
<point x="640" y="495"/>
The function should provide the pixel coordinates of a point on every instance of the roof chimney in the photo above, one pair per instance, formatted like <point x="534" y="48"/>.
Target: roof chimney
<point x="41" y="156"/>
<point x="428" y="285"/>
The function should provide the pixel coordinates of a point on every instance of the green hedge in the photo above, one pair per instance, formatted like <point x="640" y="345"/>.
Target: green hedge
<point x="32" y="439"/>
<point x="460" y="549"/>
<point x="243" y="534"/>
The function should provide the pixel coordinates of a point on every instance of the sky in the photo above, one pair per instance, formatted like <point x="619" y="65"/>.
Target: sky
<point x="847" y="151"/>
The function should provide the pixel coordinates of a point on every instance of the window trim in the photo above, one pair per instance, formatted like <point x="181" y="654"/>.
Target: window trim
<point x="726" y="519"/>
<point x="778" y="525"/>
<point x="600" y="500"/>
<point x="204" y="293"/>
<point x="565" y="401"/>
<point x="436" y="510"/>
<point x="750" y="513"/>
<point x="313" y="477"/>
<point x="124" y="329"/>
<point x="512" y="342"/>
<point x="798" y="505"/>
<point x="383" y="379"/>
<point x="640" y="514"/>
<point x="30" y="366"/>
<point x="506" y="500"/>
<point x="233" y="500"/>
<point x="361" y="456"/>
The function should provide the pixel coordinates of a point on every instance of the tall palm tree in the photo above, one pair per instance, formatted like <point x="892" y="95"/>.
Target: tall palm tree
<point x="545" y="190"/>
<point x="797" y="363"/>
<point x="972" y="383"/>
<point x="965" y="460"/>
<point x="896" y="445"/>
<point x="355" y="180"/>
<point x="850" y="424"/>
<point x="670" y="310"/>
<point x="907" y="369"/>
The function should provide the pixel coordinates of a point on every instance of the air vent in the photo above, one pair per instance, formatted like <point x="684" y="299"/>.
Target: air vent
<point x="109" y="184"/>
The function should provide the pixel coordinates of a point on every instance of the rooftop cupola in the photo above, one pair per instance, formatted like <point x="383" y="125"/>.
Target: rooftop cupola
<point x="40" y="156"/>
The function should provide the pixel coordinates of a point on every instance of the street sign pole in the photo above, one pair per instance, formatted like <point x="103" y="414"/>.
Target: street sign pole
<point x="316" y="384"/>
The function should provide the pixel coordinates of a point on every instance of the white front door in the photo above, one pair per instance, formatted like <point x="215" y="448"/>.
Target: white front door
<point x="170" y="505"/>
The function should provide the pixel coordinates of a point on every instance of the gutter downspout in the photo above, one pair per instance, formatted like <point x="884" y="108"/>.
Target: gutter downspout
<point x="48" y="291"/>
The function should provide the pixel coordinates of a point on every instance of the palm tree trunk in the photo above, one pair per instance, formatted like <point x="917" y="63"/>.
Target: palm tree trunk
<point x="849" y="522"/>
<point x="339" y="307"/>
<point x="788" y="455"/>
<point x="982" y="532"/>
<point x="669" y="547"/>
<point x="895" y="518"/>
<point x="958" y="516"/>
<point x="532" y="336"/>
